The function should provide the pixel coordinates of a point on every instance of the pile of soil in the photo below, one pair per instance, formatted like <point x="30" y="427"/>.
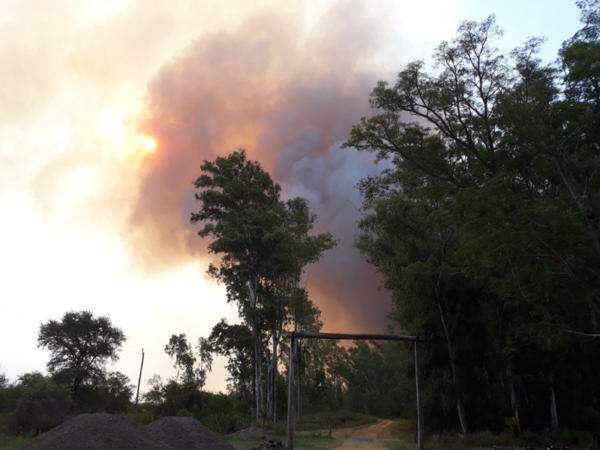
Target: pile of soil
<point x="185" y="433"/>
<point x="252" y="433"/>
<point x="95" y="432"/>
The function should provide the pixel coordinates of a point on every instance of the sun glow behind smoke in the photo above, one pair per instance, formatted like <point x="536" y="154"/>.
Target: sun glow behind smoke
<point x="270" y="76"/>
<point x="145" y="143"/>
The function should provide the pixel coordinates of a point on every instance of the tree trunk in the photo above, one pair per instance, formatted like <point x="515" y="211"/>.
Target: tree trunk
<point x="275" y="376"/>
<point x="459" y="395"/>
<point x="553" y="410"/>
<point x="269" y="384"/>
<point x="257" y="351"/>
<point x="259" y="388"/>
<point x="513" y="397"/>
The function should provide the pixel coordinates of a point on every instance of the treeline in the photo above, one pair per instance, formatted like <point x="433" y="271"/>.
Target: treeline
<point x="81" y="346"/>
<point x="486" y="227"/>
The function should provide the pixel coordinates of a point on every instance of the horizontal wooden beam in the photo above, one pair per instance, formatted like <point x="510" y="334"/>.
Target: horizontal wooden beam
<point x="353" y="337"/>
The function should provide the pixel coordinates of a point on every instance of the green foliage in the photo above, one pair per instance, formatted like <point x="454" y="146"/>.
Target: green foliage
<point x="14" y="442"/>
<point x="486" y="228"/>
<point x="236" y="343"/>
<point x="239" y="209"/>
<point x="40" y="404"/>
<point x="179" y="349"/>
<point x="81" y="345"/>
<point x="372" y="375"/>
<point x="116" y="392"/>
<point x="264" y="245"/>
<point x="217" y="413"/>
<point x="179" y="398"/>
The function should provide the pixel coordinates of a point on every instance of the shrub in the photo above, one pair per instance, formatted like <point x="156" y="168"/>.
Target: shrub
<point x="42" y="404"/>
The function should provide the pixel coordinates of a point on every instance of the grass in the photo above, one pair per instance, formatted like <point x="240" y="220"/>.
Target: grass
<point x="13" y="442"/>
<point x="320" y="421"/>
<point x="311" y="433"/>
<point x="560" y="438"/>
<point x="404" y="431"/>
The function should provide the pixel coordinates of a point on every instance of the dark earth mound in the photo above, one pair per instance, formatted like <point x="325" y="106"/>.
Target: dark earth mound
<point x="185" y="433"/>
<point x="95" y="432"/>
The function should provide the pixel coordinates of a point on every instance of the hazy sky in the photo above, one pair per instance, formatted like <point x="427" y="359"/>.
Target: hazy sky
<point x="89" y="219"/>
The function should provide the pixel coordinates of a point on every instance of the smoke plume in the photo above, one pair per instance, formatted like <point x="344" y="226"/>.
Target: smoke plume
<point x="290" y="99"/>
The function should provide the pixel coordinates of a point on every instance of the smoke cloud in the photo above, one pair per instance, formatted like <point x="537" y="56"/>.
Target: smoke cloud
<point x="289" y="97"/>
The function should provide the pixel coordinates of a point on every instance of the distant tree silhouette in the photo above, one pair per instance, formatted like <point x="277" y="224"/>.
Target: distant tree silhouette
<point x="81" y="345"/>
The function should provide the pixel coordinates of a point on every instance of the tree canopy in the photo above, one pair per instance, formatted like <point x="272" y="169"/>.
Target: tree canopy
<point x="485" y="227"/>
<point x="81" y="345"/>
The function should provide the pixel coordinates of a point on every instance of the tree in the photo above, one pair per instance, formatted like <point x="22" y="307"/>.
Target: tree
<point x="81" y="345"/>
<point x="485" y="228"/>
<point x="240" y="210"/>
<point x="180" y="350"/>
<point x="285" y="301"/>
<point x="116" y="391"/>
<point x="205" y="352"/>
<point x="236" y="343"/>
<point x="41" y="405"/>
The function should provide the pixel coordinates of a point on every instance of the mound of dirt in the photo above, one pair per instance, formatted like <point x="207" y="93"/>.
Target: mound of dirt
<point x="185" y="433"/>
<point x="95" y="432"/>
<point x="252" y="433"/>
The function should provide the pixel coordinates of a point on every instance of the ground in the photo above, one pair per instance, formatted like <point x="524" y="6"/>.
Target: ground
<point x="374" y="437"/>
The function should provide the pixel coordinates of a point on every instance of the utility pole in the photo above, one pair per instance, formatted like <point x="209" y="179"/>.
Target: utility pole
<point x="139" y="380"/>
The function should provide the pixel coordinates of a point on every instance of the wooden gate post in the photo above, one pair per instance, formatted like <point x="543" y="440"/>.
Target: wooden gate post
<point x="420" y="429"/>
<point x="289" y="442"/>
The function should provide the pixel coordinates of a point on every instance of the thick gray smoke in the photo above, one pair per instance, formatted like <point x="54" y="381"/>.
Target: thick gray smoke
<point x="290" y="102"/>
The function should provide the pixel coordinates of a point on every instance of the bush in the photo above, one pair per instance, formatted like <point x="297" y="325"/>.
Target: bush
<point x="566" y="436"/>
<point x="42" y="404"/>
<point x="589" y="419"/>
<point x="216" y="412"/>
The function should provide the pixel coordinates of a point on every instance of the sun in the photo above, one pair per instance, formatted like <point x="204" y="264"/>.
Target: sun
<point x="145" y="143"/>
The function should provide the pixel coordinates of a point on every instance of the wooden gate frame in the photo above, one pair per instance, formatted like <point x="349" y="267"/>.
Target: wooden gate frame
<point x="293" y="335"/>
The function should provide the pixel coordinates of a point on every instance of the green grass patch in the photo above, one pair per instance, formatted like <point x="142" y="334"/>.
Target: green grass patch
<point x="403" y="428"/>
<point x="13" y="442"/>
<point x="404" y="431"/>
<point x="338" y="419"/>
<point x="486" y="440"/>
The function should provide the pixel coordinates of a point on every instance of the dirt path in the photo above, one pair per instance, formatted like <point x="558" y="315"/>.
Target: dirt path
<point x="372" y="437"/>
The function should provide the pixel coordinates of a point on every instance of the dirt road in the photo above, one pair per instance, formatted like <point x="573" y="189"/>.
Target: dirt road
<point x="372" y="437"/>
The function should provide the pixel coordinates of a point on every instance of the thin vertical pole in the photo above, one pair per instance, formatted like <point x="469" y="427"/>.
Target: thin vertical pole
<point x="289" y="443"/>
<point x="139" y="380"/>
<point x="420" y="429"/>
<point x="299" y="360"/>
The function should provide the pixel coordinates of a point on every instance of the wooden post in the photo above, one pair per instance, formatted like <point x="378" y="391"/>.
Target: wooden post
<point x="289" y="443"/>
<point x="420" y="429"/>
<point x="139" y="380"/>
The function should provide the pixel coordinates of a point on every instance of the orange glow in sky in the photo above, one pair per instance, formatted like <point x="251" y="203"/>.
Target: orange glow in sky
<point x="145" y="143"/>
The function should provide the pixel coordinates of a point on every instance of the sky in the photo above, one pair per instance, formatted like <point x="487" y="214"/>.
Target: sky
<point x="92" y="219"/>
